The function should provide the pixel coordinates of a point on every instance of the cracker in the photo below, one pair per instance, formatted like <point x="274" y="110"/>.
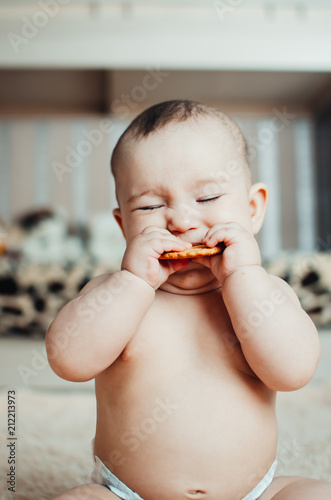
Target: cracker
<point x="191" y="253"/>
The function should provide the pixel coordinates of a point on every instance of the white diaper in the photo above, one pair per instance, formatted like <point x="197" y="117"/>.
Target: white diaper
<point x="263" y="484"/>
<point x="102" y="475"/>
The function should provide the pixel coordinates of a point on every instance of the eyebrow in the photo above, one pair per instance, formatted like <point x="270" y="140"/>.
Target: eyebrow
<point x="155" y="191"/>
<point x="135" y="196"/>
<point x="205" y="181"/>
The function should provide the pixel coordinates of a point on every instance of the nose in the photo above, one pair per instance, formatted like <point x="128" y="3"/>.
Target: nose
<point x="181" y="219"/>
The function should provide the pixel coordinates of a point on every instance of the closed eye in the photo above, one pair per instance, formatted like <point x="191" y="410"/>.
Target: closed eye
<point x="150" y="208"/>
<point x="208" y="200"/>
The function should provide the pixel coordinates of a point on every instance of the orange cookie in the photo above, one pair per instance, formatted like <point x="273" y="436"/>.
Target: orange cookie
<point x="191" y="253"/>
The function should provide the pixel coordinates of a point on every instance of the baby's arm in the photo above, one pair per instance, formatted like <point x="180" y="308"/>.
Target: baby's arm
<point x="90" y="332"/>
<point x="278" y="339"/>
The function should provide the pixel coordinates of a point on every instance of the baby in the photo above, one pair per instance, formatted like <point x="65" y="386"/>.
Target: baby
<point x="187" y="354"/>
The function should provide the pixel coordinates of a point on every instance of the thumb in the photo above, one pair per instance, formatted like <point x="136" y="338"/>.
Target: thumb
<point x="177" y="264"/>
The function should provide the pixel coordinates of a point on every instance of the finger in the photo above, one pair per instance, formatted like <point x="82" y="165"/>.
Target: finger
<point x="227" y="234"/>
<point x="175" y="245"/>
<point x="175" y="265"/>
<point x="226" y="226"/>
<point x="164" y="234"/>
<point x="151" y="229"/>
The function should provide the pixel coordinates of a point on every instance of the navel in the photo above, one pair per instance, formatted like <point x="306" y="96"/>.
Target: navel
<point x="195" y="494"/>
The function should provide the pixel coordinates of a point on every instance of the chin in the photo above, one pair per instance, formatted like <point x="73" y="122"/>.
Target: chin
<point x="194" y="278"/>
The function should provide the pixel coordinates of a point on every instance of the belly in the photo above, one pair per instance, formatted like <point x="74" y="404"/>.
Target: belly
<point x="189" y="433"/>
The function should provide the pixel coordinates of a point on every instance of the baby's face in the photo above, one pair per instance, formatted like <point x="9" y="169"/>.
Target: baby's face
<point x="185" y="178"/>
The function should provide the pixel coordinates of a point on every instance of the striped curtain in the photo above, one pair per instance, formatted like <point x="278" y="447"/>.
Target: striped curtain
<point x="64" y="164"/>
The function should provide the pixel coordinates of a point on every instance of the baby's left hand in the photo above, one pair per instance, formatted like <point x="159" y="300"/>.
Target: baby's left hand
<point x="241" y="249"/>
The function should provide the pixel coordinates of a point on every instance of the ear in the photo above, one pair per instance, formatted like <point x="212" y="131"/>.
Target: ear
<point x="118" y="217"/>
<point x="258" y="200"/>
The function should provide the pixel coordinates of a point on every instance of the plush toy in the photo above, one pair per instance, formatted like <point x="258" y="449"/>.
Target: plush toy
<point x="106" y="243"/>
<point x="47" y="239"/>
<point x="309" y="274"/>
<point x="43" y="265"/>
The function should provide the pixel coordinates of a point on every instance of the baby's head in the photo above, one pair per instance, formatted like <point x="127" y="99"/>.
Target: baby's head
<point x="161" y="115"/>
<point x="182" y="155"/>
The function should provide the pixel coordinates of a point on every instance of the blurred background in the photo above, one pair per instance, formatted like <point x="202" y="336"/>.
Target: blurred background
<point x="73" y="74"/>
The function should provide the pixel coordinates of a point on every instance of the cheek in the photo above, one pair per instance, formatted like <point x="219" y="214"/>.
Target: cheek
<point x="244" y="216"/>
<point x="135" y="224"/>
<point x="218" y="215"/>
<point x="236" y="211"/>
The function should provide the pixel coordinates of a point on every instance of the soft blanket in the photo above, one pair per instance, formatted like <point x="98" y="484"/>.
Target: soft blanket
<point x="54" y="430"/>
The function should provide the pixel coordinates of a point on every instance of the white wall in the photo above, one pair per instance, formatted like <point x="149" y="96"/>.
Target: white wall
<point x="215" y="34"/>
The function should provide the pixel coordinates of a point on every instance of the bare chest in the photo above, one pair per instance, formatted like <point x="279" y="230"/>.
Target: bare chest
<point x="182" y="343"/>
<point x="187" y="331"/>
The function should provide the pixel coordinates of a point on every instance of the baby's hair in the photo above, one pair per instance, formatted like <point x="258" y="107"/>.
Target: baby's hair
<point x="158" y="116"/>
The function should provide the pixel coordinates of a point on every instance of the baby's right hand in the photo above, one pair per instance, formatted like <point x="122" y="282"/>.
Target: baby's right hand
<point x="141" y="257"/>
